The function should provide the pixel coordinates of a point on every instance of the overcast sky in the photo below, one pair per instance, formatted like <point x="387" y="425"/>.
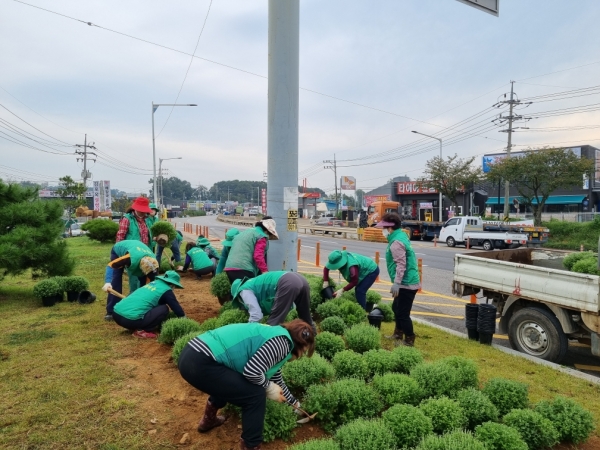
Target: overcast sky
<point x="420" y="65"/>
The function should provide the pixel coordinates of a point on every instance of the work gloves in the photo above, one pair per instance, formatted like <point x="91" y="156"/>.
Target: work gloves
<point x="106" y="287"/>
<point x="274" y="392"/>
<point x="395" y="289"/>
<point x="297" y="405"/>
<point x="338" y="293"/>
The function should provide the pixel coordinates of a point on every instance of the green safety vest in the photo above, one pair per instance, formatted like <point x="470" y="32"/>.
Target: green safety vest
<point x="365" y="266"/>
<point x="234" y="345"/>
<point x="199" y="258"/>
<point x="241" y="254"/>
<point x="133" y="232"/>
<point x="149" y="222"/>
<point x="222" y="260"/>
<point x="137" y="250"/>
<point x="411" y="274"/>
<point x="264" y="288"/>
<point x="137" y="304"/>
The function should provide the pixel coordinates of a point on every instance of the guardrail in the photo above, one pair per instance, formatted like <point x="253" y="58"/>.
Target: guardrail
<point x="333" y="231"/>
<point x="237" y="220"/>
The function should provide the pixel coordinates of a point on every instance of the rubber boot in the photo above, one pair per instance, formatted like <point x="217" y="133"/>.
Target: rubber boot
<point x="243" y="446"/>
<point x="210" y="419"/>
<point x="398" y="335"/>
<point x="409" y="341"/>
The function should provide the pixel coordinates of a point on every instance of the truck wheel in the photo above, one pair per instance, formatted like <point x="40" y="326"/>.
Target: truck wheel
<point x="487" y="246"/>
<point x="451" y="242"/>
<point x="537" y="332"/>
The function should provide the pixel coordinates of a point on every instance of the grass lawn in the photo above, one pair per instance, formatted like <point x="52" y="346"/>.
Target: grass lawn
<point x="59" y="381"/>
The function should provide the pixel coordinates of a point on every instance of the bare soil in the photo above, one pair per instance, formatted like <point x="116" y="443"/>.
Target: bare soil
<point x="173" y="407"/>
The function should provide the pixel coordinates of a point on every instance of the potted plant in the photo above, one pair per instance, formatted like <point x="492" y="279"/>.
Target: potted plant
<point x="49" y="291"/>
<point x="220" y="287"/>
<point x="73" y="286"/>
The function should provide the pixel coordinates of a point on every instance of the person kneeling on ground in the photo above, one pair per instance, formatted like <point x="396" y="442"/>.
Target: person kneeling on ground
<point x="227" y="243"/>
<point x="273" y="294"/>
<point x="148" y="307"/>
<point x="204" y="244"/>
<point x="199" y="259"/>
<point x="241" y="364"/>
<point x="176" y="253"/>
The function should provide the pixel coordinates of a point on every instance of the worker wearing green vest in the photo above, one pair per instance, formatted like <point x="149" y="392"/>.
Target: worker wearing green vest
<point x="359" y="271"/>
<point x="200" y="261"/>
<point x="151" y="219"/>
<point x="148" y="307"/>
<point x="140" y="263"/>
<point x="404" y="274"/>
<point x="273" y="294"/>
<point x="204" y="244"/>
<point x="241" y="364"/>
<point x="233" y="232"/>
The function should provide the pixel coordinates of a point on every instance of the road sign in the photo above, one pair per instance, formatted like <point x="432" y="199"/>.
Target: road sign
<point x="292" y="220"/>
<point x="489" y="6"/>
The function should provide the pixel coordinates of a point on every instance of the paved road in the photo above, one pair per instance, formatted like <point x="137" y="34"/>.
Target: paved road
<point x="435" y="304"/>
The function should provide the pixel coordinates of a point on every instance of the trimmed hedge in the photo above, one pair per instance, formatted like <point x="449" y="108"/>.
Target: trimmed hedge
<point x="334" y="324"/>
<point x="362" y="434"/>
<point x="173" y="329"/>
<point x="380" y="361"/>
<point x="455" y="440"/>
<point x="506" y="395"/>
<point x="180" y="344"/>
<point x="408" y="424"/>
<point x="466" y="370"/>
<point x="302" y="373"/>
<point x="349" y="364"/>
<point x="316" y="444"/>
<point x="496" y="436"/>
<point x="478" y="408"/>
<point x="537" y="431"/>
<point x="328" y="344"/>
<point x="573" y="422"/>
<point x="406" y="358"/>
<point x="362" y="337"/>
<point x="445" y="414"/>
<point x="397" y="388"/>
<point x="437" y="379"/>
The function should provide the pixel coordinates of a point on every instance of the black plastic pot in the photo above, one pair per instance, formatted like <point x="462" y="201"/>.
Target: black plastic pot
<point x="473" y="334"/>
<point x="375" y="317"/>
<point x="327" y="293"/>
<point x="486" y="319"/>
<point x="369" y="307"/>
<point x="471" y="313"/>
<point x="86" y="297"/>
<point x="52" y="300"/>
<point x="72" y="296"/>
<point x="486" y="338"/>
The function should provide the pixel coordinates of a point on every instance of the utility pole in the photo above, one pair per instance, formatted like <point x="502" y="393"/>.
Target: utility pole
<point x="333" y="167"/>
<point x="84" y="157"/>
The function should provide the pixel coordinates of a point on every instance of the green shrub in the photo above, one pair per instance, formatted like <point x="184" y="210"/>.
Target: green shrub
<point x="408" y="424"/>
<point x="101" y="230"/>
<point x="406" y="358"/>
<point x="506" y="394"/>
<point x="173" y="329"/>
<point x="328" y="344"/>
<point x="455" y="440"/>
<point x="334" y="324"/>
<point x="573" y="422"/>
<point x="304" y="372"/>
<point x="280" y="421"/>
<point x="47" y="288"/>
<point x="292" y="315"/>
<point x="362" y="337"/>
<point x="165" y="264"/>
<point x="352" y="313"/>
<point x="180" y="344"/>
<point x="466" y="369"/>
<point x="362" y="434"/>
<point x="316" y="444"/>
<point x="535" y="429"/>
<point x="437" y="379"/>
<point x="349" y="364"/>
<point x="328" y="309"/>
<point x="316" y="285"/>
<point x="445" y="414"/>
<point x="496" y="436"/>
<point x="226" y="307"/>
<point x="163" y="227"/>
<point x="478" y="408"/>
<point x="573" y="258"/>
<point x="373" y="297"/>
<point x="397" y="388"/>
<point x="61" y="281"/>
<point x="380" y="361"/>
<point x="341" y="401"/>
<point x="220" y="286"/>
<point x="388" y="314"/>
<point x="232" y="316"/>
<point x="208" y="325"/>
<point x="588" y="265"/>
<point x="75" y="284"/>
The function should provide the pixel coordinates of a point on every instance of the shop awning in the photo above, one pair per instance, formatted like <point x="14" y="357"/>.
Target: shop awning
<point x="552" y="200"/>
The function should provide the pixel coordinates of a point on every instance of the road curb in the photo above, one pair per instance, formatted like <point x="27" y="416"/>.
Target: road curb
<point x="510" y="351"/>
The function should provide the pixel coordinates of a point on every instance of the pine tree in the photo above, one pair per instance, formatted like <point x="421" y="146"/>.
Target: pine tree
<point x="30" y="231"/>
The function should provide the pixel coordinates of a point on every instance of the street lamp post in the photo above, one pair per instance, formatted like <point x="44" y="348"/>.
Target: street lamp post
<point x="154" y="108"/>
<point x="440" y="192"/>
<point x="160" y="160"/>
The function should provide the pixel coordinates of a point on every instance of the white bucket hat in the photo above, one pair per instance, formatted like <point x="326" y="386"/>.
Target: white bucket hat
<point x="269" y="224"/>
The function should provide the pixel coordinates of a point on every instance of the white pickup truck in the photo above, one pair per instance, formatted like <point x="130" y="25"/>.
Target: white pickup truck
<point x="540" y="304"/>
<point x="460" y="230"/>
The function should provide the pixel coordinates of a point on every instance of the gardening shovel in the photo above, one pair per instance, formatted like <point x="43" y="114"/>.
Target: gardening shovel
<point x="308" y="417"/>
<point x="115" y="293"/>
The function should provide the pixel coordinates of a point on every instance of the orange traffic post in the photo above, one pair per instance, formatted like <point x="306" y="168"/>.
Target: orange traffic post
<point x="298" y="251"/>
<point x="435" y="240"/>
<point x="344" y="248"/>
<point x="206" y="232"/>
<point x="377" y="262"/>
<point x="318" y="255"/>
<point x="420" y="266"/>
<point x="473" y="298"/>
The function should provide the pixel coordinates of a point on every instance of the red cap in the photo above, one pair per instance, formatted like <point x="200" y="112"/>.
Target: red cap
<point x="141" y="204"/>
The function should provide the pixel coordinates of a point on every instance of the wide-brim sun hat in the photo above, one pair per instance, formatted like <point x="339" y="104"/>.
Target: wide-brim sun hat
<point x="383" y="224"/>
<point x="337" y="259"/>
<point x="229" y="236"/>
<point x="148" y="264"/>
<point x="154" y="207"/>
<point x="171" y="277"/>
<point x="141" y="204"/>
<point x="237" y="287"/>
<point x="269" y="225"/>
<point x="202" y="242"/>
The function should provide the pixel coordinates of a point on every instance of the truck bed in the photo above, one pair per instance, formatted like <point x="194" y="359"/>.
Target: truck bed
<point x="534" y="274"/>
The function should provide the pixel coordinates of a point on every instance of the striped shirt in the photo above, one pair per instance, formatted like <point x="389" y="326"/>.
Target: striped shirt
<point x="272" y="352"/>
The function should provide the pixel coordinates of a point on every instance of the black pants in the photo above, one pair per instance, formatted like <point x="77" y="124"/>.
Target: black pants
<point x="401" y="307"/>
<point x="226" y="386"/>
<point x="238" y="275"/>
<point x="205" y="271"/>
<point x="150" y="322"/>
<point x="292" y="288"/>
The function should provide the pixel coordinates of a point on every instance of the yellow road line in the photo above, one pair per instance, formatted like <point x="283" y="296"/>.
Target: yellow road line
<point x="584" y="367"/>
<point x="438" y="304"/>
<point x="435" y="294"/>
<point x="447" y="316"/>
<point x="500" y="336"/>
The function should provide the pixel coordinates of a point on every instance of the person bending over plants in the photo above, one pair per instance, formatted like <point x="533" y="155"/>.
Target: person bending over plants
<point x="147" y="308"/>
<point x="241" y="364"/>
<point x="139" y="261"/>
<point x="404" y="273"/>
<point x="248" y="254"/>
<point x="202" y="264"/>
<point x="175" y="245"/>
<point x="273" y="294"/>
<point x="204" y="244"/>
<point x="226" y="246"/>
<point x="358" y="270"/>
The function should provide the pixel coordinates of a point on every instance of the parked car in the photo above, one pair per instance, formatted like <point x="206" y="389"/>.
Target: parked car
<point x="75" y="231"/>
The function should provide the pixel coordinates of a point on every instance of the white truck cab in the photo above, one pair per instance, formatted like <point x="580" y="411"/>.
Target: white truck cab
<point x="459" y="230"/>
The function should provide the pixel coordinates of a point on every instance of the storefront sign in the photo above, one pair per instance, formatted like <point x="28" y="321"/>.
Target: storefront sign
<point x="369" y="199"/>
<point x="426" y="205"/>
<point x="413" y="187"/>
